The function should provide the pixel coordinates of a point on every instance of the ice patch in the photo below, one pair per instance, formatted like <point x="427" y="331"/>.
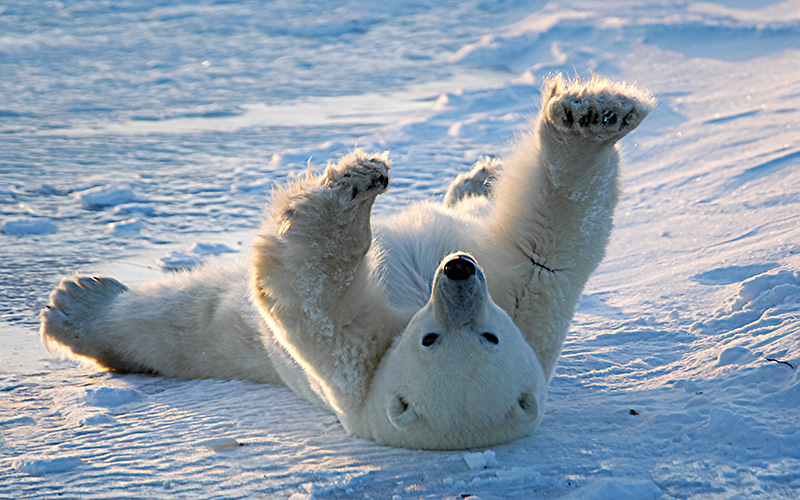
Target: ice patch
<point x="7" y="196"/>
<point x="220" y="444"/>
<point x="38" y="466"/>
<point x="134" y="209"/>
<point x="101" y="397"/>
<point x="99" y="197"/>
<point x="595" y="303"/>
<point x="762" y="304"/>
<point x="737" y="433"/>
<point x="333" y="483"/>
<point x="12" y="422"/>
<point x="256" y="186"/>
<point x="732" y="274"/>
<point x="110" y="397"/>
<point x="735" y="355"/>
<point x="48" y="190"/>
<point x="210" y="249"/>
<point x="335" y="25"/>
<point x="518" y="474"/>
<point x="203" y="111"/>
<point x="22" y="226"/>
<point x="480" y="460"/>
<point x="764" y="291"/>
<point x="125" y="227"/>
<point x="90" y="406"/>
<point x="302" y="496"/>
<point x="617" y="489"/>
<point x="179" y="261"/>
<point x="97" y="419"/>
<point x="191" y="258"/>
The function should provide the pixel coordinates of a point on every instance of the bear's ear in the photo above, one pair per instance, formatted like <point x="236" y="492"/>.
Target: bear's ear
<point x="399" y="412"/>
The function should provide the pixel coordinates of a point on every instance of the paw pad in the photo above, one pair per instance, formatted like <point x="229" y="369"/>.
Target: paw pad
<point x="358" y="173"/>
<point x="598" y="110"/>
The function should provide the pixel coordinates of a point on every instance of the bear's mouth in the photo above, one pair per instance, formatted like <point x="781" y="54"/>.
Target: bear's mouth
<point x="400" y="413"/>
<point x="525" y="409"/>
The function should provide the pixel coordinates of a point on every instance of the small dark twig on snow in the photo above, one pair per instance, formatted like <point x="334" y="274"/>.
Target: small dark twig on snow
<point x="781" y="362"/>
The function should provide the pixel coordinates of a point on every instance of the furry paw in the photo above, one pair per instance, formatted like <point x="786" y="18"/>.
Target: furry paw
<point x="599" y="110"/>
<point x="70" y="318"/>
<point x="477" y="182"/>
<point x="358" y="174"/>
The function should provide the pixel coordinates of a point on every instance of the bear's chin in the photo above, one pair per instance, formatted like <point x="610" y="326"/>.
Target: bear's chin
<point x="404" y="425"/>
<point x="425" y="438"/>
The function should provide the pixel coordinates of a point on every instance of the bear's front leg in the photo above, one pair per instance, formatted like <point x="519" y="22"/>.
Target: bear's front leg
<point x="580" y="124"/>
<point x="312" y="285"/>
<point x="554" y="205"/>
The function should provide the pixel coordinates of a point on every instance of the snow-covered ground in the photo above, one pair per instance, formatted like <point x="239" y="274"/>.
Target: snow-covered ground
<point x="137" y="136"/>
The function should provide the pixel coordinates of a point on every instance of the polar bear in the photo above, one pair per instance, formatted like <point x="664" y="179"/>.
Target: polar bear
<point x="438" y="328"/>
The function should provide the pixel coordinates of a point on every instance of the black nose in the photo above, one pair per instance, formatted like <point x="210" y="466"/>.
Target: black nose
<point x="459" y="268"/>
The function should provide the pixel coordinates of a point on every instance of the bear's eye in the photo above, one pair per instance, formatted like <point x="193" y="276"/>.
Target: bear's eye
<point x="491" y="338"/>
<point x="429" y="339"/>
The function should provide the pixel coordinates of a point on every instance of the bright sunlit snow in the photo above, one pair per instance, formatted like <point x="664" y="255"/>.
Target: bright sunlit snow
<point x="140" y="137"/>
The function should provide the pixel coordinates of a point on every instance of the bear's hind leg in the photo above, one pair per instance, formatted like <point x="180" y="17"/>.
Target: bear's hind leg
<point x="74" y="318"/>
<point x="479" y="181"/>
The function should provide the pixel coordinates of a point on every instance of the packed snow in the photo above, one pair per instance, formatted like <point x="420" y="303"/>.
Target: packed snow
<point x="143" y="137"/>
<point x="25" y="225"/>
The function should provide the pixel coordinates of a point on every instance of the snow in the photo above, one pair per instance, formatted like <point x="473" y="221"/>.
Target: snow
<point x="125" y="227"/>
<point x="614" y="488"/>
<point x="210" y="249"/>
<point x="192" y="257"/>
<point x="179" y="261"/>
<point x="23" y="225"/>
<point x="679" y="377"/>
<point x="103" y="196"/>
<point x="139" y="209"/>
<point x="480" y="460"/>
<point x="37" y="466"/>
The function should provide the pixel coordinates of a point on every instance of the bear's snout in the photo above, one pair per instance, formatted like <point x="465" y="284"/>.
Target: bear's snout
<point x="459" y="268"/>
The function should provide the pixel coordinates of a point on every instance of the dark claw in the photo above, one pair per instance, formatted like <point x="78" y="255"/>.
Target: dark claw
<point x="568" y="119"/>
<point x="609" y="118"/>
<point x="626" y="119"/>
<point x="587" y="119"/>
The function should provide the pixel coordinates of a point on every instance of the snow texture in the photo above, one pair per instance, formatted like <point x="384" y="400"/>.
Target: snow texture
<point x="192" y="257"/>
<point x="22" y="225"/>
<point x="679" y="378"/>
<point x="99" y="197"/>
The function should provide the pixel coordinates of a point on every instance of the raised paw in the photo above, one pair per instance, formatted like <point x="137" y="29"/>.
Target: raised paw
<point x="479" y="181"/>
<point x="359" y="173"/>
<point x="598" y="110"/>
<point x="71" y="317"/>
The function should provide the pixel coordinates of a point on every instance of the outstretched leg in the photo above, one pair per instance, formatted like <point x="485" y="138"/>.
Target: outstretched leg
<point x="312" y="286"/>
<point x="194" y="325"/>
<point x="479" y="181"/>
<point x="68" y="321"/>
<point x="554" y="205"/>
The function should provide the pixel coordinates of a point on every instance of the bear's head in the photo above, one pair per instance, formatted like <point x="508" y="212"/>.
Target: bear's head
<point x="461" y="375"/>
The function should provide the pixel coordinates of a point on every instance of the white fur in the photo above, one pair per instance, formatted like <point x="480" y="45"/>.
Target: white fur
<point x="336" y="306"/>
